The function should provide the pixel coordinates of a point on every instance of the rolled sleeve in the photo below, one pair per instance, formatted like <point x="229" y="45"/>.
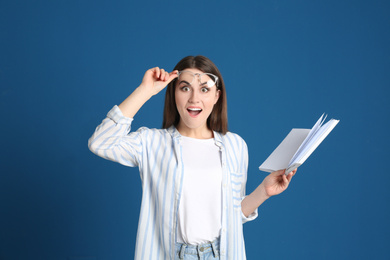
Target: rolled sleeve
<point x="117" y="116"/>
<point x="251" y="217"/>
<point x="113" y="140"/>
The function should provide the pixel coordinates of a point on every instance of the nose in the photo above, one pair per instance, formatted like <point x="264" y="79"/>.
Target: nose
<point x="194" y="98"/>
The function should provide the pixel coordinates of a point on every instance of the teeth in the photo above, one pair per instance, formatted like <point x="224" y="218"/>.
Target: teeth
<point x="194" y="109"/>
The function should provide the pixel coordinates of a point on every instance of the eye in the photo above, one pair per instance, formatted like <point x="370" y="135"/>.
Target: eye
<point x="185" y="88"/>
<point x="204" y="90"/>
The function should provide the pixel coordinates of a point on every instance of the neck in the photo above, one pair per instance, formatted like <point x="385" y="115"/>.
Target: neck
<point x="198" y="133"/>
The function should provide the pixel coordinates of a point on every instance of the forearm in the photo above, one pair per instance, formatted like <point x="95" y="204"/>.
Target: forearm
<point x="135" y="101"/>
<point x="251" y="202"/>
<point x="153" y="82"/>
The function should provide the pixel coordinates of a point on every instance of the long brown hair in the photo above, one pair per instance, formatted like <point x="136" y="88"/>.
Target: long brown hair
<point x="217" y="120"/>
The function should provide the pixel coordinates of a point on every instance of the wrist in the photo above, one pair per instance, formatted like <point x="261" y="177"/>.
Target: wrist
<point x="263" y="192"/>
<point x="144" y="91"/>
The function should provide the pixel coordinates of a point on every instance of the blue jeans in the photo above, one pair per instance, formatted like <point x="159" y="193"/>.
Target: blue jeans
<point x="198" y="252"/>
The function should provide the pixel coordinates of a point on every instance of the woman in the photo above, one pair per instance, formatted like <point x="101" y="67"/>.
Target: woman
<point x="193" y="171"/>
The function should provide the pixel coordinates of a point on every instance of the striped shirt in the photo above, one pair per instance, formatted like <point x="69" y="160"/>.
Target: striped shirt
<point x="158" y="155"/>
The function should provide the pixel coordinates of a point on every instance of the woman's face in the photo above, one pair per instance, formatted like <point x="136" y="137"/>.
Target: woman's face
<point x="195" y="99"/>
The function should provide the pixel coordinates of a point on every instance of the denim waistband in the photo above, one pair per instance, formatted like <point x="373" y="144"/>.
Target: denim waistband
<point x="199" y="250"/>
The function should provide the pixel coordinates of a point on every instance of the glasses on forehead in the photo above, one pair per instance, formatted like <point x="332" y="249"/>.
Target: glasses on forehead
<point x="204" y="79"/>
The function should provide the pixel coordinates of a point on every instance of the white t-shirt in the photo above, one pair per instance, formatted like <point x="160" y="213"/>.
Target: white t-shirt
<point x="201" y="200"/>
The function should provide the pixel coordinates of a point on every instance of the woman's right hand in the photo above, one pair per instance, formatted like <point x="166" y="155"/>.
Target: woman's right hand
<point x="157" y="79"/>
<point x="154" y="81"/>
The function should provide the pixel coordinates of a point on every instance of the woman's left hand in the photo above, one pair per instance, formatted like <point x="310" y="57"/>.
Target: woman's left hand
<point x="277" y="182"/>
<point x="274" y="184"/>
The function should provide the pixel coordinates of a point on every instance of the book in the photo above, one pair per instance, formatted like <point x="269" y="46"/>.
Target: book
<point x="297" y="146"/>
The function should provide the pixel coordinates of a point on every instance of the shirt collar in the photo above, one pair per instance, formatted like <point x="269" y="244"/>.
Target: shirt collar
<point x="173" y="132"/>
<point x="218" y="139"/>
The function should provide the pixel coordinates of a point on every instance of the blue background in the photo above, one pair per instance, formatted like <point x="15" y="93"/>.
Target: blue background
<point x="64" y="64"/>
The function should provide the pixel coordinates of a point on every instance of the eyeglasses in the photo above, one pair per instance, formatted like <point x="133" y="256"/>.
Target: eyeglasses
<point x="205" y="79"/>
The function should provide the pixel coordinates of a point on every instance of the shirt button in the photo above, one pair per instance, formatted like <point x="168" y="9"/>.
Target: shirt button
<point x="224" y="185"/>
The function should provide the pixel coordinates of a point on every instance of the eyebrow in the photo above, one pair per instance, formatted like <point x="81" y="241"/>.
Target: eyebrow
<point x="204" y="84"/>
<point x="183" y="81"/>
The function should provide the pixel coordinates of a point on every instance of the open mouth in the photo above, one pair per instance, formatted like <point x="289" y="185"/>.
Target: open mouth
<point x="194" y="111"/>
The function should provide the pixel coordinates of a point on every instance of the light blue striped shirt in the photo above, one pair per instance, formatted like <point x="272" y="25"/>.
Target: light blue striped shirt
<point x="158" y="155"/>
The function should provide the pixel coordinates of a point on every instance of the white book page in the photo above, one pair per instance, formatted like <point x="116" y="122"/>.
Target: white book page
<point x="321" y="134"/>
<point x="309" y="137"/>
<point x="281" y="156"/>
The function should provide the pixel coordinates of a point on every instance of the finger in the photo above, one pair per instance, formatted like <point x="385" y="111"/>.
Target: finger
<point x="284" y="180"/>
<point x="165" y="75"/>
<point x="156" y="72"/>
<point x="162" y="74"/>
<point x="280" y="172"/>
<point x="151" y="71"/>
<point x="172" y="76"/>
<point x="290" y="175"/>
